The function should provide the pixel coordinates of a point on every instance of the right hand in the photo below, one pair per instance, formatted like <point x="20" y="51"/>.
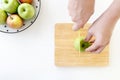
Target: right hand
<point x="80" y="12"/>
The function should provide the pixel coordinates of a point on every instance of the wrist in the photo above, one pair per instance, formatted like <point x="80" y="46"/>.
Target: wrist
<point x="114" y="10"/>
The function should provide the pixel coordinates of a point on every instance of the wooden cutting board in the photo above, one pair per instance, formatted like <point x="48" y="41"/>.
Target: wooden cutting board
<point x="66" y="55"/>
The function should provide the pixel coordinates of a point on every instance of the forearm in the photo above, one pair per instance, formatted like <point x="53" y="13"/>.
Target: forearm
<point x="112" y="15"/>
<point x="114" y="10"/>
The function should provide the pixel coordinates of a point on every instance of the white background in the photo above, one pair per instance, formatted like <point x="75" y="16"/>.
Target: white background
<point x="29" y="55"/>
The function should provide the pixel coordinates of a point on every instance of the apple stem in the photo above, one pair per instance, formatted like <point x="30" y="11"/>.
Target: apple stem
<point x="6" y="1"/>
<point x="11" y="18"/>
<point x="24" y="10"/>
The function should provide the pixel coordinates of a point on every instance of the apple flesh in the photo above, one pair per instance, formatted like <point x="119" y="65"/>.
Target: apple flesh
<point x="26" y="1"/>
<point x="3" y="16"/>
<point x="14" y="21"/>
<point x="80" y="44"/>
<point x="10" y="6"/>
<point x="26" y="11"/>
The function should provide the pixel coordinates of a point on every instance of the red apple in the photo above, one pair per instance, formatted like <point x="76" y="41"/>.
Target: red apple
<point x="14" y="21"/>
<point x="26" y="1"/>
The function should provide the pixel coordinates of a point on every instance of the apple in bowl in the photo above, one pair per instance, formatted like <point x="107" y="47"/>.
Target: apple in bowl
<point x="3" y="16"/>
<point x="14" y="21"/>
<point x="26" y="11"/>
<point x="26" y="1"/>
<point x="10" y="6"/>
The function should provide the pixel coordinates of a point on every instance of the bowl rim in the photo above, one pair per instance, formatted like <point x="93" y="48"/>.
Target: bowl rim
<point x="27" y="26"/>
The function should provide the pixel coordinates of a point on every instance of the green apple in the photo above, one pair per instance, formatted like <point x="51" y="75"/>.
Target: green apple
<point x="80" y="44"/>
<point x="26" y="11"/>
<point x="10" y="6"/>
<point x="14" y="21"/>
<point x="3" y="16"/>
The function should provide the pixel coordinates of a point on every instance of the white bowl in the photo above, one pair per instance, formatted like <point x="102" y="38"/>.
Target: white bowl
<point x="6" y="29"/>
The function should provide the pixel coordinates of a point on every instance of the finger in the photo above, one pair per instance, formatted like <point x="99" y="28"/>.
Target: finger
<point x="99" y="50"/>
<point x="88" y="37"/>
<point x="92" y="41"/>
<point x="77" y="26"/>
<point x="93" y="47"/>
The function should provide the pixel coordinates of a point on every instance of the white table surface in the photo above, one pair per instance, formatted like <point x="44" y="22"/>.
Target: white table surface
<point x="29" y="55"/>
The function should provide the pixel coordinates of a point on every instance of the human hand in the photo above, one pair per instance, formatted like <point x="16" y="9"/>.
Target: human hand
<point x="101" y="29"/>
<point x="80" y="11"/>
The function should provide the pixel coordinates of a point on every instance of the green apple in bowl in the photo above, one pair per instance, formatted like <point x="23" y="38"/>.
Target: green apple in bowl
<point x="14" y="21"/>
<point x="80" y="44"/>
<point x="10" y="6"/>
<point x="26" y="11"/>
<point x="3" y="16"/>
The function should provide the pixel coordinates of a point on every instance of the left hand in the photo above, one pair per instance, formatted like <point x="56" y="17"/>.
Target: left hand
<point x="101" y="29"/>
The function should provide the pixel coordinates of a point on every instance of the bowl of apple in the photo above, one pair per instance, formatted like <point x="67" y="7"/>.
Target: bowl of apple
<point x="18" y="15"/>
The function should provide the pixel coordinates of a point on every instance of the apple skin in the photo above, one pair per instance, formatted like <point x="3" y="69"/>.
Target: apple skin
<point x="80" y="44"/>
<point x="3" y="16"/>
<point x="26" y="1"/>
<point x="14" y="21"/>
<point x="10" y="6"/>
<point x="26" y="11"/>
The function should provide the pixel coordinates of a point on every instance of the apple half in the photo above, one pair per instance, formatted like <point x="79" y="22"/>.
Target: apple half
<point x="80" y="44"/>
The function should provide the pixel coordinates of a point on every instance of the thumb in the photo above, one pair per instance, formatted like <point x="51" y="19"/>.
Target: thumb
<point x="93" y="47"/>
<point x="77" y="26"/>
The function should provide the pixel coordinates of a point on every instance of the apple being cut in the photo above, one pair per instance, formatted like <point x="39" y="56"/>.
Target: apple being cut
<point x="26" y="1"/>
<point x="80" y="44"/>
<point x="10" y="6"/>
<point x="3" y="16"/>
<point x="26" y="11"/>
<point x="14" y="21"/>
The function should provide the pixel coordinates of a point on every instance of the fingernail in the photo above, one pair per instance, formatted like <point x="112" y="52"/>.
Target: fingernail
<point x="86" y="50"/>
<point x="85" y="40"/>
<point x="75" y="27"/>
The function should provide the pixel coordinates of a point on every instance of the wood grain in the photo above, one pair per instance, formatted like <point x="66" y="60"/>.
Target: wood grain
<point x="66" y="55"/>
